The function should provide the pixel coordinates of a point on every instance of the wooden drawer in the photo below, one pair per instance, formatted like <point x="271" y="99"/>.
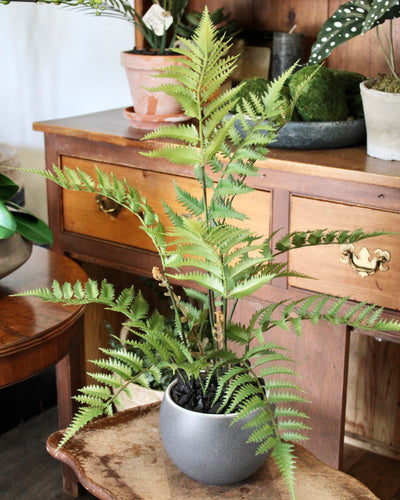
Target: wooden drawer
<point x="324" y="263"/>
<point x="81" y="214"/>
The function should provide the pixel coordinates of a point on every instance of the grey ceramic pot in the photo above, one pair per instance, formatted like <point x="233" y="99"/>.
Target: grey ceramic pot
<point x="206" y="447"/>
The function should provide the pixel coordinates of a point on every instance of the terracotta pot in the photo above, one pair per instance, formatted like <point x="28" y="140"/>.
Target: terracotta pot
<point x="382" y="112"/>
<point x="140" y="70"/>
<point x="207" y="448"/>
<point x="14" y="252"/>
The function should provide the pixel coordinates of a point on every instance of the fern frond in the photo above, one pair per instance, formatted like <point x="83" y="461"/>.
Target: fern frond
<point x="83" y="416"/>
<point x="283" y="455"/>
<point x="99" y="391"/>
<point x="187" y="200"/>
<point x="181" y="132"/>
<point x="249" y="286"/>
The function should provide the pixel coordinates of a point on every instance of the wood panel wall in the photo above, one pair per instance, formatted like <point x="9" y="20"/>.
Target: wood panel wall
<point x="361" y="54"/>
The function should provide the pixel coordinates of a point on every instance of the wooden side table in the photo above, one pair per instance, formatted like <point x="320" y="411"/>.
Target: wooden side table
<point x="122" y="458"/>
<point x="35" y="334"/>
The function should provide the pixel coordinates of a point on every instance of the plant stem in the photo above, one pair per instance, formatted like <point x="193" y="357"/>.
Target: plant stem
<point x="389" y="52"/>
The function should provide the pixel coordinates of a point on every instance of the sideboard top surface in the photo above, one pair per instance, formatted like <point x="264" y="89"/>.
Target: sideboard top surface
<point x="352" y="164"/>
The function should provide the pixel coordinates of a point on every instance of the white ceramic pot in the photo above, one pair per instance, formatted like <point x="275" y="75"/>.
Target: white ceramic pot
<point x="207" y="448"/>
<point x="382" y="120"/>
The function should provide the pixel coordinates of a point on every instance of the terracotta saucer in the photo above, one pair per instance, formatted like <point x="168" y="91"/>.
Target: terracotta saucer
<point x="151" y="122"/>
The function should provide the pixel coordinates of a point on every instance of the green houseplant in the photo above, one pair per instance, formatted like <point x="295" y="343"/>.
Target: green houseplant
<point x="18" y="229"/>
<point x="381" y="94"/>
<point x="159" y="26"/>
<point x="231" y="368"/>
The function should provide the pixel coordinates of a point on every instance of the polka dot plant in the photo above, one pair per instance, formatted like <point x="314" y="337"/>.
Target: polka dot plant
<point x="351" y="19"/>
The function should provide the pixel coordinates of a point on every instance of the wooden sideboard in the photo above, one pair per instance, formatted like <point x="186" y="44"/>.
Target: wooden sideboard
<point x="342" y="188"/>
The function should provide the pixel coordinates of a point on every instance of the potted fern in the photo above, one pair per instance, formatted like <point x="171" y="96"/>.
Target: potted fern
<point x="380" y="95"/>
<point x="227" y="374"/>
<point x="18" y="229"/>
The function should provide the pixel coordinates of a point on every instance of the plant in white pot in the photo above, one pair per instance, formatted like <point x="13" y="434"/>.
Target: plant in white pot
<point x="18" y="229"/>
<point x="234" y="394"/>
<point x="380" y="95"/>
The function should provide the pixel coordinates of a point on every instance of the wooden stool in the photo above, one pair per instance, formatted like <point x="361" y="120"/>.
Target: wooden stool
<point x="35" y="334"/>
<point x="121" y="458"/>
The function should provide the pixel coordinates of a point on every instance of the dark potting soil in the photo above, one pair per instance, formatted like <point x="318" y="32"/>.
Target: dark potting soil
<point x="150" y="52"/>
<point x="188" y="393"/>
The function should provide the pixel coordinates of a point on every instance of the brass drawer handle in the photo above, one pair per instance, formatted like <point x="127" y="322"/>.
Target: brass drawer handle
<point x="363" y="263"/>
<point x="108" y="206"/>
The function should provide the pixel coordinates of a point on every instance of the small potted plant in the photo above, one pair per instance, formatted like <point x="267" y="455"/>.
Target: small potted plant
<point x="231" y="389"/>
<point x="18" y="229"/>
<point x="159" y="26"/>
<point x="380" y="95"/>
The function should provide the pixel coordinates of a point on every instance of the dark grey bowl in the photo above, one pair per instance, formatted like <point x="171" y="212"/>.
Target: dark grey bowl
<point x="206" y="447"/>
<point x="319" y="135"/>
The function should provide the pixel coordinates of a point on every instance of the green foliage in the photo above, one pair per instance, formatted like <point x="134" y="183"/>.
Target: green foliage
<point x="123" y="9"/>
<point x="219" y="18"/>
<point x="354" y="18"/>
<point x="219" y="263"/>
<point x="15" y="219"/>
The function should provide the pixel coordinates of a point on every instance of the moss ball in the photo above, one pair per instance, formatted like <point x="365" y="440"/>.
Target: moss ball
<point x="256" y="86"/>
<point x="348" y="80"/>
<point x="321" y="99"/>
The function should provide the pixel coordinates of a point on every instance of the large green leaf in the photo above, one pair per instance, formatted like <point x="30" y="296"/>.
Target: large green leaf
<point x="8" y="225"/>
<point x="7" y="188"/>
<point x="351" y="19"/>
<point x="33" y="229"/>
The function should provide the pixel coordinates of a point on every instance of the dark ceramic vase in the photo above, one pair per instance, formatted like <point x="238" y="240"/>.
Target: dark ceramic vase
<point x="207" y="447"/>
<point x="14" y="252"/>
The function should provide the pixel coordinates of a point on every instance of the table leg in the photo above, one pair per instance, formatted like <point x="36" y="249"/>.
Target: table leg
<point x="70" y="376"/>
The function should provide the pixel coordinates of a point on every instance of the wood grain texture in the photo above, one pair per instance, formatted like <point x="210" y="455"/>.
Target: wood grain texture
<point x="324" y="263"/>
<point x="373" y="403"/>
<point x="81" y="214"/>
<point x="363" y="54"/>
<point x="35" y="334"/>
<point x="110" y="128"/>
<point x="118" y="458"/>
<point x="320" y="358"/>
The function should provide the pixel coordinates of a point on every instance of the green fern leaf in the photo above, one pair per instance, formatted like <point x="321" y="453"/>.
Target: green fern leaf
<point x="289" y="412"/>
<point x="89" y="400"/>
<point x="177" y="154"/>
<point x="249" y="286"/>
<point x="284" y="458"/>
<point x="99" y="391"/>
<point x="181" y="132"/>
<point x="80" y="419"/>
<point x="293" y="437"/>
<point x="194" y="205"/>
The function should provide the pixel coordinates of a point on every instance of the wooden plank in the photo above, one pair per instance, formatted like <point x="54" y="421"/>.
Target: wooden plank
<point x="373" y="403"/>
<point x="321" y="356"/>
<point x="347" y="57"/>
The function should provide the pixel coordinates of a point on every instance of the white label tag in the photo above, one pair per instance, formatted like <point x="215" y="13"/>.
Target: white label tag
<point x="157" y="19"/>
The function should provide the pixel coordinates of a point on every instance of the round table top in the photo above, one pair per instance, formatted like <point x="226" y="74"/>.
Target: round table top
<point x="28" y="322"/>
<point x="121" y="457"/>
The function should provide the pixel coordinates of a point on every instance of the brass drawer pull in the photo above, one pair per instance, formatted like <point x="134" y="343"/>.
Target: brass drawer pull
<point x="108" y="206"/>
<point x="363" y="263"/>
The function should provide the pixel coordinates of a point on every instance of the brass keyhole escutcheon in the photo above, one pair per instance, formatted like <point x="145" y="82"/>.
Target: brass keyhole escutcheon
<point x="108" y="206"/>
